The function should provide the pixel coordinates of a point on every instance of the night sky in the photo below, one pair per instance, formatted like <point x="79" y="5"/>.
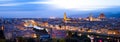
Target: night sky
<point x="56" y="8"/>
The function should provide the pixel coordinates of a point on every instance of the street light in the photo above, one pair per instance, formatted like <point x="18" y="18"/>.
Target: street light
<point x="91" y="38"/>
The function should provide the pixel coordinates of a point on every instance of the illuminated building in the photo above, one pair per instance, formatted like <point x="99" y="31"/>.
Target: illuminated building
<point x="91" y="18"/>
<point x="58" y="33"/>
<point x="45" y="23"/>
<point x="34" y="36"/>
<point x="101" y="16"/>
<point x="30" y="23"/>
<point x="52" y="17"/>
<point x="116" y="32"/>
<point x="2" y="33"/>
<point x="65" y="18"/>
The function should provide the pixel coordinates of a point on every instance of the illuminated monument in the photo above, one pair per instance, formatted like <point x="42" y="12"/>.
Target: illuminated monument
<point x="101" y="16"/>
<point x="65" y="17"/>
<point x="91" y="18"/>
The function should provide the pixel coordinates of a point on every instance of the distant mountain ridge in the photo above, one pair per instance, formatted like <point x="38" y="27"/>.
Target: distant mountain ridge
<point x="117" y="15"/>
<point x="109" y="12"/>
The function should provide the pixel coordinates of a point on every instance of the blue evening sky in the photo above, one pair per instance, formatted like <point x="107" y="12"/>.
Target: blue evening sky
<point x="56" y="8"/>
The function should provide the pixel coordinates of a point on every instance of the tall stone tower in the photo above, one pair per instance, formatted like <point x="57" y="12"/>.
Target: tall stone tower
<point x="65" y="17"/>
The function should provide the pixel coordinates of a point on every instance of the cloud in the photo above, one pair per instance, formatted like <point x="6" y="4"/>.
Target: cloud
<point x="10" y="4"/>
<point x="72" y="5"/>
<point x="5" y="0"/>
<point x="21" y="3"/>
<point x="13" y="4"/>
<point x="79" y="4"/>
<point x="38" y="2"/>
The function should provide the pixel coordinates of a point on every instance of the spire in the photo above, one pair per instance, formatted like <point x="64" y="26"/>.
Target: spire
<point x="65" y="17"/>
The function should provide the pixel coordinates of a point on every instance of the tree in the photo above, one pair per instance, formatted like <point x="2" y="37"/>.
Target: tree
<point x="69" y="34"/>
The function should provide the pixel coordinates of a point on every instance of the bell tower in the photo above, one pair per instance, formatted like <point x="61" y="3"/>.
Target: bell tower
<point x="65" y="17"/>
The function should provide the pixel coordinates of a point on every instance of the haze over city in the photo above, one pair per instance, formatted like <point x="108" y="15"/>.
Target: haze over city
<point x="56" y="8"/>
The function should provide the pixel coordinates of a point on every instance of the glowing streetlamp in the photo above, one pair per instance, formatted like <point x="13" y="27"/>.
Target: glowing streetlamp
<point x="91" y="38"/>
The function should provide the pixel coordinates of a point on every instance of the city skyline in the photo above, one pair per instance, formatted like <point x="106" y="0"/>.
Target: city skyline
<point x="59" y="20"/>
<point x="56" y="8"/>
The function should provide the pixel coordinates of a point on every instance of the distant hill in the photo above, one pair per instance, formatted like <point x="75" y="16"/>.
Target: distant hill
<point x="116" y="15"/>
<point x="109" y="12"/>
